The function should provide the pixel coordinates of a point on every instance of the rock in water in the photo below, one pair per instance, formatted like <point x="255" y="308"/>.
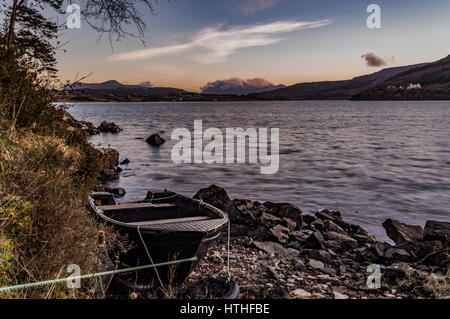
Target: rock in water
<point x="401" y="233"/>
<point x="435" y="230"/>
<point x="118" y="191"/>
<point x="110" y="127"/>
<point x="125" y="162"/>
<point x="155" y="140"/>
<point x="218" y="197"/>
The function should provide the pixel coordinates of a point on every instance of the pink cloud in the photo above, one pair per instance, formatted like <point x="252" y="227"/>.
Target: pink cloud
<point x="249" y="7"/>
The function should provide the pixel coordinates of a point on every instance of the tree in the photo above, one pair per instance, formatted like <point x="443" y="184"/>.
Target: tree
<point x="31" y="32"/>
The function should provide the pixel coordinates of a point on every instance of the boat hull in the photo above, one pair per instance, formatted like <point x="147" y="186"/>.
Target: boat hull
<point x="163" y="242"/>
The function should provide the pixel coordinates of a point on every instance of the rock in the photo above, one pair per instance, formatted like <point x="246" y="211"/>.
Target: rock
<point x="316" y="264"/>
<point x="401" y="233"/>
<point x="320" y="255"/>
<point x="269" y="220"/>
<point x="155" y="140"/>
<point x="298" y="264"/>
<point x="396" y="271"/>
<point x="88" y="128"/>
<point x="328" y="279"/>
<point x="324" y="215"/>
<point x="275" y="248"/>
<point x="218" y="197"/>
<point x="300" y="294"/>
<point x="109" y="157"/>
<point x="289" y="223"/>
<point x="436" y="230"/>
<point x="285" y="210"/>
<point x="314" y="241"/>
<point x="397" y="254"/>
<point x="279" y="233"/>
<point x="108" y="174"/>
<point x="125" y="162"/>
<point x="243" y="204"/>
<point x="110" y="127"/>
<point x="318" y="224"/>
<point x="118" y="191"/>
<point x="308" y="219"/>
<point x="343" y="239"/>
<point x="427" y="247"/>
<point x="331" y="226"/>
<point x="338" y="295"/>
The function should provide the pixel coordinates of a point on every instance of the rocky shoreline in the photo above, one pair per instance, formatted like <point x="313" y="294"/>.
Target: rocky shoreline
<point x="277" y="251"/>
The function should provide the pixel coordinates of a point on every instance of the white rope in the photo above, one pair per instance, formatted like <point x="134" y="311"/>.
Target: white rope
<point x="228" y="250"/>
<point x="149" y="256"/>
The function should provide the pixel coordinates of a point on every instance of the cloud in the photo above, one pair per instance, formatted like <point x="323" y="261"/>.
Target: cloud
<point x="373" y="61"/>
<point x="215" y="44"/>
<point x="239" y="86"/>
<point x="249" y="7"/>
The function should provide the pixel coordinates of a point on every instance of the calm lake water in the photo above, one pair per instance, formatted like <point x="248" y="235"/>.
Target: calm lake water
<point x="370" y="160"/>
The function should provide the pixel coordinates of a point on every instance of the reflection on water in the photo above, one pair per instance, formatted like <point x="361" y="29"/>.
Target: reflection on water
<point x="370" y="160"/>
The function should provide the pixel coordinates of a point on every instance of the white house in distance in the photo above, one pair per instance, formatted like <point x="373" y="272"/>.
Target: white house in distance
<point x="412" y="86"/>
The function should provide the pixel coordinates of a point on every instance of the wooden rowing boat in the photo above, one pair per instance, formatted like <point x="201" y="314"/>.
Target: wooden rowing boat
<point x="169" y="225"/>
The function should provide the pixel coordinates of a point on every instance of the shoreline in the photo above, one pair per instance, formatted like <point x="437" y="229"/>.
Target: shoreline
<point x="279" y="252"/>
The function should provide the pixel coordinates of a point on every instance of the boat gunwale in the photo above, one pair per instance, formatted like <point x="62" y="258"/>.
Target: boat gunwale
<point x="152" y="229"/>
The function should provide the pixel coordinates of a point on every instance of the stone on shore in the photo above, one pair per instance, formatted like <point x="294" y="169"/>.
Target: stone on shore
<point x="218" y="197"/>
<point x="402" y="233"/>
<point x="437" y="230"/>
<point x="301" y="294"/>
<point x="342" y="239"/>
<point x="285" y="210"/>
<point x="109" y="158"/>
<point x="275" y="248"/>
<point x="155" y="140"/>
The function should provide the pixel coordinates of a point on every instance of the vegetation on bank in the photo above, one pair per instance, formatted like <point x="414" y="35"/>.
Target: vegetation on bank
<point x="47" y="167"/>
<point x="47" y="170"/>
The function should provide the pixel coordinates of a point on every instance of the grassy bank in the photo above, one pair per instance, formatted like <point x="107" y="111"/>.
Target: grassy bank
<point x="47" y="169"/>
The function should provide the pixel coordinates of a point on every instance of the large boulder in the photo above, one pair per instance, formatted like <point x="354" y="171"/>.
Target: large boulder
<point x="436" y="230"/>
<point x="109" y="127"/>
<point x="109" y="157"/>
<point x="402" y="233"/>
<point x="218" y="197"/>
<point x="155" y="140"/>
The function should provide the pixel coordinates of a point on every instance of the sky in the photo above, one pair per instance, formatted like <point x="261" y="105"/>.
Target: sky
<point x="192" y="42"/>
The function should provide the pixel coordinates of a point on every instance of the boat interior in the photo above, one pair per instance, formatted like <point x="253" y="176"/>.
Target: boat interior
<point x="176" y="210"/>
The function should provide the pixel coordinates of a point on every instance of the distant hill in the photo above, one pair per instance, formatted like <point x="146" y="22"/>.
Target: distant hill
<point x="387" y="84"/>
<point x="115" y="91"/>
<point x="344" y="89"/>
<point x="434" y="79"/>
<point x="238" y="86"/>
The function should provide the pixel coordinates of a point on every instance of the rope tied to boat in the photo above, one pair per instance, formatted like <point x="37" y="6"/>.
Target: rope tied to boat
<point x="161" y="198"/>
<point x="94" y="275"/>
<point x="149" y="256"/>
